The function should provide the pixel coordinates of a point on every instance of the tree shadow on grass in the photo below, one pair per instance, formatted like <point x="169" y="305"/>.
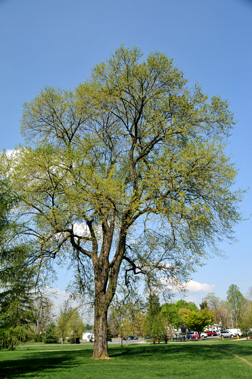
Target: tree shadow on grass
<point x="56" y="364"/>
<point x="42" y="363"/>
<point x="242" y="349"/>
<point x="178" y="352"/>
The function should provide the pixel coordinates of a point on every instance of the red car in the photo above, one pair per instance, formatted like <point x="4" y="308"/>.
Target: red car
<point x="210" y="333"/>
<point x="193" y="335"/>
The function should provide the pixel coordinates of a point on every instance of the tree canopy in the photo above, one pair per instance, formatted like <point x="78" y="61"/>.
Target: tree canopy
<point x="235" y="300"/>
<point x="127" y="173"/>
<point x="198" y="320"/>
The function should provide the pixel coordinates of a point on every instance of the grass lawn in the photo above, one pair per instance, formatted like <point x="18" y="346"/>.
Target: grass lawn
<point x="199" y="359"/>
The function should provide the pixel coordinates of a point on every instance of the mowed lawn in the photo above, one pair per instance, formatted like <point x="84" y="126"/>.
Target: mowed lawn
<point x="199" y="359"/>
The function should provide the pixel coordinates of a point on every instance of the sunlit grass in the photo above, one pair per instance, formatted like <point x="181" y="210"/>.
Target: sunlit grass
<point x="204" y="359"/>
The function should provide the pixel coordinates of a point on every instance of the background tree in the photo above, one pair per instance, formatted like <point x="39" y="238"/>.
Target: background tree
<point x="89" y="327"/>
<point x="42" y="313"/>
<point x="249" y="295"/>
<point x="127" y="173"/>
<point x="171" y="318"/>
<point x="245" y="318"/>
<point x="16" y="302"/>
<point x="235" y="301"/>
<point x="203" y="305"/>
<point x="125" y="316"/>
<point x="50" y="335"/>
<point x="158" y="330"/>
<point x="222" y="316"/>
<point x="220" y="308"/>
<point x="153" y="310"/>
<point x="139" y="324"/>
<point x="213" y="302"/>
<point x="17" y="279"/>
<point x="76" y="325"/>
<point x="153" y="305"/>
<point x="68" y="317"/>
<point x="182" y="304"/>
<point x="198" y="320"/>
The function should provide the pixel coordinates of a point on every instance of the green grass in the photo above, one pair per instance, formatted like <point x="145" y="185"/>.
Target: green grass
<point x="175" y="360"/>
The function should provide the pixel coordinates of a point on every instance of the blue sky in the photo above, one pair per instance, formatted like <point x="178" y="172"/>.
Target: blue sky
<point x="57" y="42"/>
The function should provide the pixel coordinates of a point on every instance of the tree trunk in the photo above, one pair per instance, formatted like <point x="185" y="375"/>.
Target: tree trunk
<point x="105" y="287"/>
<point x="100" y="334"/>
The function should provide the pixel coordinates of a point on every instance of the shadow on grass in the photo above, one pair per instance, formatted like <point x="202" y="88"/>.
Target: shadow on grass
<point x="184" y="352"/>
<point x="168" y="352"/>
<point x="54" y="363"/>
<point x="240" y="348"/>
<point x="30" y="363"/>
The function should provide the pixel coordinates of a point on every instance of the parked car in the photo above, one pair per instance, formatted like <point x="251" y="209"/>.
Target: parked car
<point x="236" y="332"/>
<point x="132" y="338"/>
<point x="226" y="333"/>
<point x="203" y="335"/>
<point x="193" y="335"/>
<point x="211" y="333"/>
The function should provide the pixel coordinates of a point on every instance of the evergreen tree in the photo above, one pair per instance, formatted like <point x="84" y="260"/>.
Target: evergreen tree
<point x="153" y="310"/>
<point x="17" y="281"/>
<point x="158" y="330"/>
<point x="49" y="336"/>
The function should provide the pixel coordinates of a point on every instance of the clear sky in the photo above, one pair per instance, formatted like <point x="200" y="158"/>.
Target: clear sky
<point x="57" y="42"/>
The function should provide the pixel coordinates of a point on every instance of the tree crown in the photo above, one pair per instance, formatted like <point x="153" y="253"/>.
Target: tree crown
<point x="133" y="148"/>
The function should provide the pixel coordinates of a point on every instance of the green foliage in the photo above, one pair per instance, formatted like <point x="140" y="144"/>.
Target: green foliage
<point x="158" y="330"/>
<point x="153" y="305"/>
<point x="132" y="141"/>
<point x="42" y="312"/>
<point x="198" y="320"/>
<point x="16" y="297"/>
<point x="235" y="301"/>
<point x="63" y="329"/>
<point x="153" y="311"/>
<point x="125" y="317"/>
<point x="245" y="318"/>
<point x="17" y="284"/>
<point x="169" y="313"/>
<point x="89" y="327"/>
<point x="203" y="305"/>
<point x="13" y="336"/>
<point x="17" y="281"/>
<point x="7" y="201"/>
<point x="76" y="325"/>
<point x="132" y="146"/>
<point x="187" y="305"/>
<point x="234" y="297"/>
<point x="69" y="323"/>
<point x="49" y="336"/>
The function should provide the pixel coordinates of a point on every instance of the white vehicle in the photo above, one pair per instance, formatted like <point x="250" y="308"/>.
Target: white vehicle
<point x="236" y="332"/>
<point x="203" y="335"/>
<point x="226" y="333"/>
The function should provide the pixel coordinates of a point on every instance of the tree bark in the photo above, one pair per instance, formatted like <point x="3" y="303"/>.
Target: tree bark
<point x="100" y="333"/>
<point x="105" y="286"/>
